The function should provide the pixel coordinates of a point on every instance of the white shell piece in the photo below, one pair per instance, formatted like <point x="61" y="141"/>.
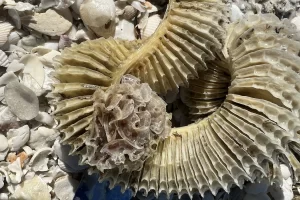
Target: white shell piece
<point x="285" y="171"/>
<point x="51" y="44"/>
<point x="3" y="154"/>
<point x="65" y="187"/>
<point x="296" y="21"/>
<point x="3" y="143"/>
<point x="6" y="114"/>
<point x="15" y="66"/>
<point x="30" y="42"/>
<point x="125" y="30"/>
<point x="34" y="67"/>
<point x="21" y="100"/>
<point x="7" y="78"/>
<point x="56" y="23"/>
<point x="17" y="138"/>
<point x="3" y="196"/>
<point x="1" y="182"/>
<point x="236" y="13"/>
<point x="45" y="118"/>
<point x="99" y="16"/>
<point x="97" y="13"/>
<point x="32" y="189"/>
<point x="42" y="137"/>
<point x="54" y="172"/>
<point x="45" y="55"/>
<point x="28" y="150"/>
<point x="3" y="59"/>
<point x="47" y="4"/>
<point x="15" y="172"/>
<point x="29" y="175"/>
<point x="84" y="34"/>
<point x="39" y="160"/>
<point x="16" y="35"/>
<point x="5" y="28"/>
<point x="137" y="5"/>
<point x="152" y="24"/>
<point x="72" y="33"/>
<point x="21" y="6"/>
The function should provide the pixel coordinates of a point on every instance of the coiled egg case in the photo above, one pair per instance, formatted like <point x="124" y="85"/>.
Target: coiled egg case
<point x="240" y="84"/>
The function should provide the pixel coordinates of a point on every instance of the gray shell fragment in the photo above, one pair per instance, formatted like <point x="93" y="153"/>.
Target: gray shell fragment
<point x="21" y="100"/>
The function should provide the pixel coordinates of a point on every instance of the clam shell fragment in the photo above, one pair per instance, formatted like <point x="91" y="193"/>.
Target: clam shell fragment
<point x="21" y="100"/>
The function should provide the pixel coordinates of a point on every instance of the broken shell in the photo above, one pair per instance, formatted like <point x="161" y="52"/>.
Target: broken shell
<point x="45" y="118"/>
<point x="3" y="59"/>
<point x="125" y="30"/>
<point x="97" y="13"/>
<point x="15" y="172"/>
<point x="17" y="138"/>
<point x="3" y="143"/>
<point x="39" y="160"/>
<point x="15" y="66"/>
<point x="15" y="36"/>
<point x="56" y="23"/>
<point x="65" y="187"/>
<point x="21" y="100"/>
<point x="28" y="150"/>
<point x="152" y="24"/>
<point x="5" y="28"/>
<point x="33" y="189"/>
<point x="99" y="16"/>
<point x="30" y="42"/>
<point x="84" y="34"/>
<point x="7" y="78"/>
<point x="1" y="182"/>
<point x="51" y="44"/>
<point x="42" y="137"/>
<point x="3" y="196"/>
<point x="34" y="68"/>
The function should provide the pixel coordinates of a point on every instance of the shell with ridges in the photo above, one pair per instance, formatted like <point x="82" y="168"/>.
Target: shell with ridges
<point x="3" y="59"/>
<point x="245" y="133"/>
<point x="5" y="28"/>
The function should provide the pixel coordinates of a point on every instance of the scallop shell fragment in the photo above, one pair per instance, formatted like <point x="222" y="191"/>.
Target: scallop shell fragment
<point x="246" y="128"/>
<point x="3" y="59"/>
<point x="5" y="29"/>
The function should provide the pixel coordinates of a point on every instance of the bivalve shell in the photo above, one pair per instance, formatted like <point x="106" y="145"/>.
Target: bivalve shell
<point x="3" y="59"/>
<point x="5" y="29"/>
